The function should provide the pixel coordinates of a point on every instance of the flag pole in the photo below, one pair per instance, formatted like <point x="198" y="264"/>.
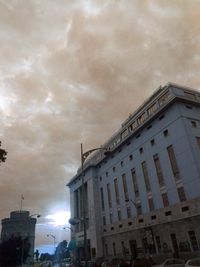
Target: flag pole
<point x="22" y="198"/>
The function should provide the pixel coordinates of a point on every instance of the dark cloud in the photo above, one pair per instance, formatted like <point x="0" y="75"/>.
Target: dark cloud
<point x="71" y="72"/>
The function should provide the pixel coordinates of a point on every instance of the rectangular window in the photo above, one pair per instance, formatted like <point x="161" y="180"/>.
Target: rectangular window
<point x="139" y="209"/>
<point x="198" y="141"/>
<point x="135" y="185"/>
<point x="173" y="161"/>
<point x="165" y="199"/>
<point x="102" y="199"/>
<point x="146" y="176"/>
<point x="104" y="220"/>
<point x="158" y="170"/>
<point x="114" y="249"/>
<point x="181" y="193"/>
<point x="109" y="196"/>
<point x="111" y="217"/>
<point x="125" y="186"/>
<point x="193" y="240"/>
<point x="128" y="209"/>
<point x="158" y="243"/>
<point x="116" y="191"/>
<point x="151" y="204"/>
<point x="119" y="215"/>
<point x="106" y="249"/>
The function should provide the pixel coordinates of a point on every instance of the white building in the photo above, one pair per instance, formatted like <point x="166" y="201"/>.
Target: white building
<point x="20" y="224"/>
<point x="145" y="196"/>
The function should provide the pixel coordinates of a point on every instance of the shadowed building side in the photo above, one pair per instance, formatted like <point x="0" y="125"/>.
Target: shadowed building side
<point x="20" y="224"/>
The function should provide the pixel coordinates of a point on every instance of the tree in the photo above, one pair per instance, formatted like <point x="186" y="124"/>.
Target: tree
<point x="61" y="251"/>
<point x="3" y="154"/>
<point x="14" y="251"/>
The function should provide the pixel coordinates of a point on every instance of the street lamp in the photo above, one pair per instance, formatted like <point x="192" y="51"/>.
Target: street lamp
<point x="54" y="241"/>
<point x="37" y="215"/>
<point x="67" y="227"/>
<point x="84" y="156"/>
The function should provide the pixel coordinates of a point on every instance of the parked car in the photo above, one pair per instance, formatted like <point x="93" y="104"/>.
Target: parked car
<point x="193" y="262"/>
<point x="172" y="263"/>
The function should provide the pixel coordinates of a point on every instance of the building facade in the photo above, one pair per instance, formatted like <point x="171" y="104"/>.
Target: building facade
<point x="20" y="224"/>
<point x="144" y="197"/>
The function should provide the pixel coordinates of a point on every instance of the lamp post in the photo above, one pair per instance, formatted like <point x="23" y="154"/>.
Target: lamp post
<point x="84" y="156"/>
<point x="37" y="215"/>
<point x="67" y="227"/>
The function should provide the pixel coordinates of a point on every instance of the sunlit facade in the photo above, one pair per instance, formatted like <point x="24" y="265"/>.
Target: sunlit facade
<point x="144" y="198"/>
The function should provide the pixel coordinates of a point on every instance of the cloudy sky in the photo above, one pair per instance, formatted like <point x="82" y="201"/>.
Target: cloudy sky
<point x="72" y="71"/>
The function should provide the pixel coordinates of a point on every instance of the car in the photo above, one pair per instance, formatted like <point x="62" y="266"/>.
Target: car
<point x="193" y="262"/>
<point x="172" y="263"/>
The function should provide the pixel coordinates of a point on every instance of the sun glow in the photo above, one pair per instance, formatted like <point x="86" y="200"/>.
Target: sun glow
<point x="58" y="219"/>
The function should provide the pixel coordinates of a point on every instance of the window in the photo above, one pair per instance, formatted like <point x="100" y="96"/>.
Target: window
<point x="141" y="220"/>
<point x="165" y="199"/>
<point x="116" y="191"/>
<point x="158" y="170"/>
<point x="130" y="157"/>
<point x="168" y="213"/>
<point x="119" y="215"/>
<point x="128" y="210"/>
<point x="198" y="141"/>
<point x="161" y="117"/>
<point x="139" y="209"/>
<point x="135" y="185"/>
<point x="153" y="217"/>
<point x="165" y="133"/>
<point x="141" y="150"/>
<point x="111" y="217"/>
<point x="109" y="196"/>
<point x="194" y="124"/>
<point x="114" y="249"/>
<point x="102" y="199"/>
<point x="122" y="163"/>
<point x="149" y="127"/>
<point x="181" y="193"/>
<point x="138" y="135"/>
<point x="104" y="220"/>
<point x="146" y="176"/>
<point x="100" y="178"/>
<point x="125" y="186"/>
<point x="193" y="240"/>
<point x="158" y="243"/>
<point x="152" y="142"/>
<point x="173" y="161"/>
<point x="186" y="208"/>
<point x="114" y="169"/>
<point x="151" y="204"/>
<point x="106" y="249"/>
<point x="106" y="174"/>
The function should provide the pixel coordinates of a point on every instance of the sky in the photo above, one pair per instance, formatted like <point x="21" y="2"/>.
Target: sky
<point x="71" y="71"/>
